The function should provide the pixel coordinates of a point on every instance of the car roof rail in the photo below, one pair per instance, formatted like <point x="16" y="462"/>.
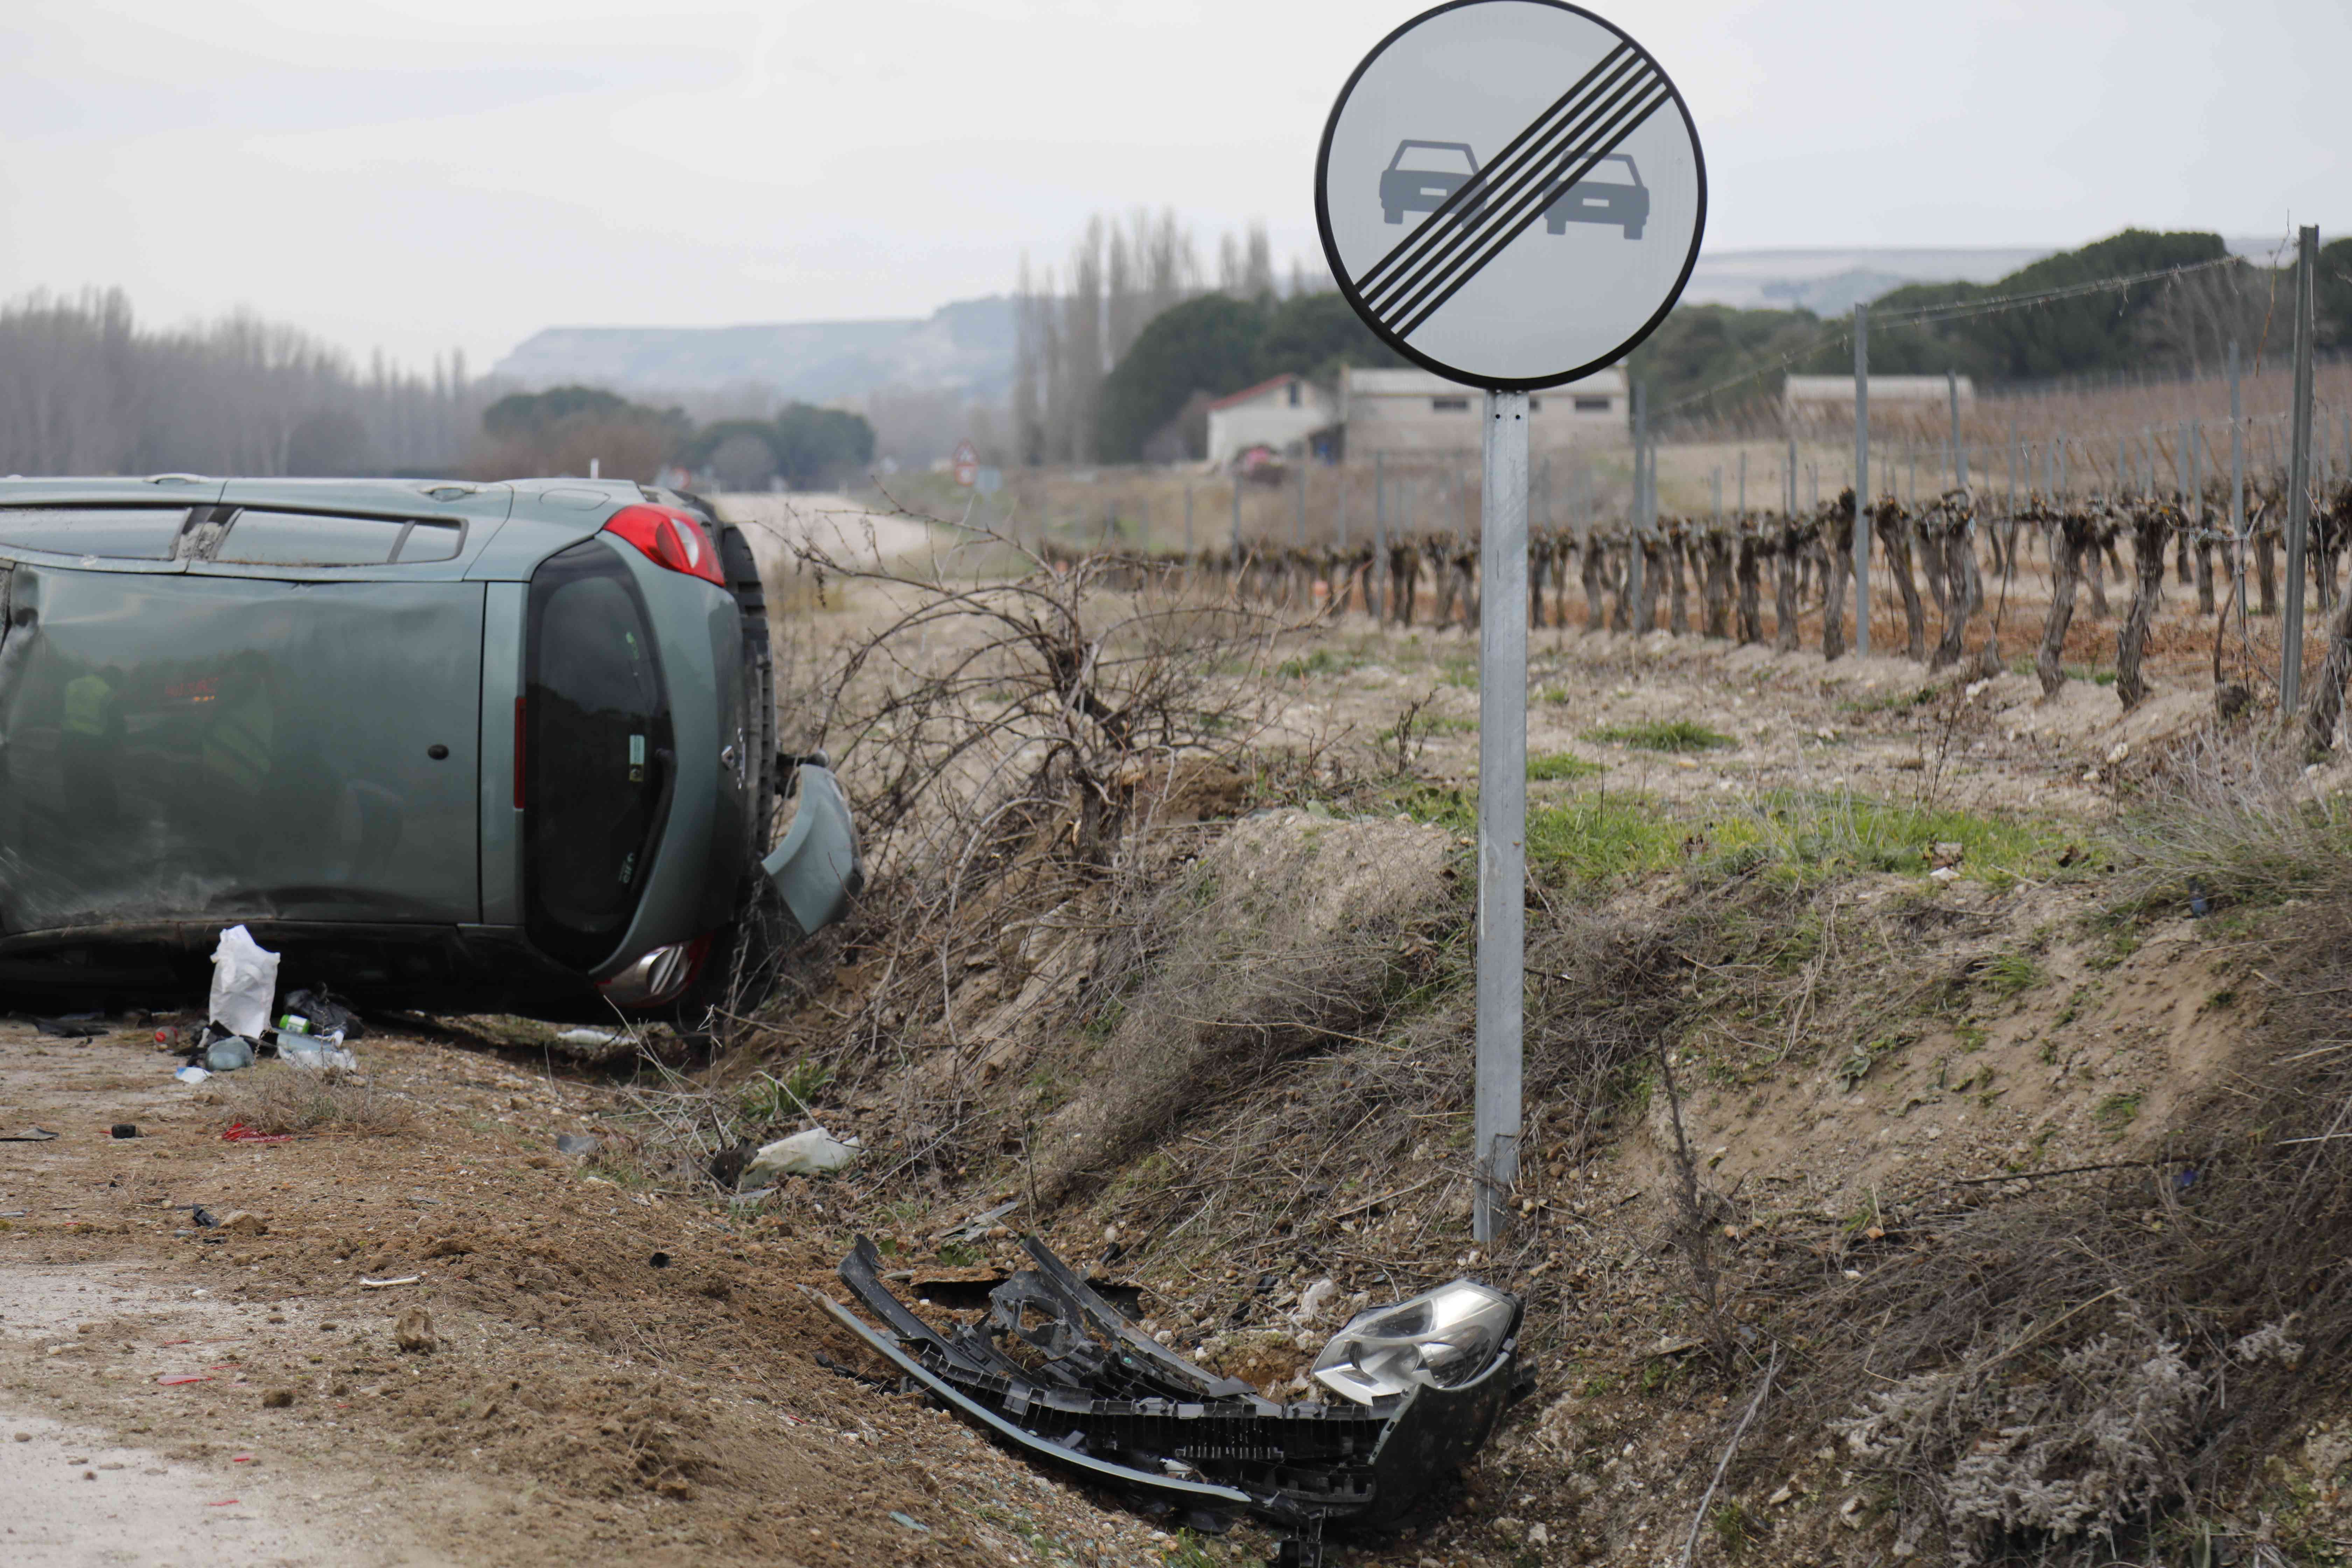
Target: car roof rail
<point x="176" y="478"/>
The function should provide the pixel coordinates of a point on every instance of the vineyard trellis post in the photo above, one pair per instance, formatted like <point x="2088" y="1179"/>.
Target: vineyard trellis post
<point x="1502" y="807"/>
<point x="1641" y="470"/>
<point x="1743" y="481"/>
<point x="1188" y="522"/>
<point x="1237" y="520"/>
<point x="1299" y="520"/>
<point x="1861" y="480"/>
<point x="1959" y="451"/>
<point x="2298" y="479"/>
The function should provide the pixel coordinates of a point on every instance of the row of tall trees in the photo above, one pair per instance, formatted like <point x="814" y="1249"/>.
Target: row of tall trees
<point x="86" y="388"/>
<point x="1072" y="327"/>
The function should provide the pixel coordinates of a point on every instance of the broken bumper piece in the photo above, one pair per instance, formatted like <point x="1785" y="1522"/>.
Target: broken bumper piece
<point x="1055" y="1371"/>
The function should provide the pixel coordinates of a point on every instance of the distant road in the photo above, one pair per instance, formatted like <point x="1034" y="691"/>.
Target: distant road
<point x="833" y="523"/>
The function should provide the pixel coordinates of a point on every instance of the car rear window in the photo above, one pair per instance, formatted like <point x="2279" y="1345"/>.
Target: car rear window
<point x="123" y="533"/>
<point x="596" y="754"/>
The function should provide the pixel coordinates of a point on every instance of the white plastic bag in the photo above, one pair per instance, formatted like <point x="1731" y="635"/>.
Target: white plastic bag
<point x="245" y="983"/>
<point x="814" y="1153"/>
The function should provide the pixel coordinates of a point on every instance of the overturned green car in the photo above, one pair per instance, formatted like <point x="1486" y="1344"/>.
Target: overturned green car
<point x="445" y="745"/>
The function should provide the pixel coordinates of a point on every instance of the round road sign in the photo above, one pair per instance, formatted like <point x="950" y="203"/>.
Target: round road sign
<point x="1511" y="192"/>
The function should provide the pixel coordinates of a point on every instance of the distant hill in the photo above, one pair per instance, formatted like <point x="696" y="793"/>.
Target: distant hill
<point x="966" y="346"/>
<point x="1831" y="281"/>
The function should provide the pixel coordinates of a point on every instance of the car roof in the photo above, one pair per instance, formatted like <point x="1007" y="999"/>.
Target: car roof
<point x="512" y="525"/>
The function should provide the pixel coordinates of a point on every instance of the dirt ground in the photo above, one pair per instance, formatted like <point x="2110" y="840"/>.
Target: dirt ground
<point x="613" y="1371"/>
<point x="613" y="1374"/>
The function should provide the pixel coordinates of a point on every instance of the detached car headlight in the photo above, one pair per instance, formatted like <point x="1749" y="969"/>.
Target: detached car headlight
<point x="1445" y="1337"/>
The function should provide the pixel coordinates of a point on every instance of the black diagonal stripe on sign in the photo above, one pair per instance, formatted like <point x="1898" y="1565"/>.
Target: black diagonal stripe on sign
<point x="1591" y="163"/>
<point x="1513" y="219"/>
<point x="1501" y="165"/>
<point x="1534" y="174"/>
<point x="1561" y="137"/>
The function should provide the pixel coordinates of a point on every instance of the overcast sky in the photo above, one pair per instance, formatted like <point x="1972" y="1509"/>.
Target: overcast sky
<point x="434" y="173"/>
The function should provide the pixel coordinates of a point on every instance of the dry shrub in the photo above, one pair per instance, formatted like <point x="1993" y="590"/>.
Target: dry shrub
<point x="2057" y="1376"/>
<point x="274" y="1098"/>
<point x="2229" y="815"/>
<point x="1023" y="742"/>
<point x="1295" y="933"/>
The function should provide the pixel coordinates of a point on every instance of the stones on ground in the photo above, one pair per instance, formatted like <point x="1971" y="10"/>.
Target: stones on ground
<point x="241" y="1223"/>
<point x="412" y="1333"/>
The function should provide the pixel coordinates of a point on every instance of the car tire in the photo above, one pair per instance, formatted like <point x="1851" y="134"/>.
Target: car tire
<point x="748" y="955"/>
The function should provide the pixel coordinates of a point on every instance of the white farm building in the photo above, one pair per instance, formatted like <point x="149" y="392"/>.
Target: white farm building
<point x="1404" y="412"/>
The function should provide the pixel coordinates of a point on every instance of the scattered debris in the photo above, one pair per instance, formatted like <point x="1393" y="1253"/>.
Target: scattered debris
<point x="595" y="1040"/>
<point x="224" y="1052"/>
<point x="238" y="1133"/>
<point x="78" y="1026"/>
<point x="203" y="1216"/>
<point x="1426" y="1379"/>
<point x="575" y="1143"/>
<point x="241" y="1223"/>
<point x="658" y="1261"/>
<point x="414" y="1332"/>
<point x="814" y="1153"/>
<point x="191" y="1074"/>
<point x="319" y="1055"/>
<point x="318" y="1012"/>
<point x="977" y="1226"/>
<point x="368" y="1284"/>
<point x="244" y="979"/>
<point x="177" y="1379"/>
<point x="123" y="1130"/>
<point x="37" y="1135"/>
<point x="911" y="1523"/>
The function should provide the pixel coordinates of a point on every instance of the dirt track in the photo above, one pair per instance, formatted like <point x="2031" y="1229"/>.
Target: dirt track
<point x="583" y="1406"/>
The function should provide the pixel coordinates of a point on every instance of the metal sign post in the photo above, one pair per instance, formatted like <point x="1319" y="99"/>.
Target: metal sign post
<point x="2298" y="477"/>
<point x="1861" y="480"/>
<point x="1509" y="193"/>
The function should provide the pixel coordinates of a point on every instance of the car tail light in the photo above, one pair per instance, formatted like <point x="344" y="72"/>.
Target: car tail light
<point x="669" y="537"/>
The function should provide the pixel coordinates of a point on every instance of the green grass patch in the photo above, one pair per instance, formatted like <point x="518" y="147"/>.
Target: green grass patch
<point x="1322" y="661"/>
<point x="2011" y="972"/>
<point x="2116" y="1113"/>
<point x="1551" y="767"/>
<point x="1663" y="735"/>
<point x="1896" y="701"/>
<point x="1593" y="838"/>
<point x="1816" y="835"/>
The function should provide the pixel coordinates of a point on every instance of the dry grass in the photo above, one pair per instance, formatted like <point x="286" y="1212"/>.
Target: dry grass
<point x="273" y="1098"/>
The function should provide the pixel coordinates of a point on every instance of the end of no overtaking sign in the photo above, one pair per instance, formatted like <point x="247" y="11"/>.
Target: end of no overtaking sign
<point x="1511" y="192"/>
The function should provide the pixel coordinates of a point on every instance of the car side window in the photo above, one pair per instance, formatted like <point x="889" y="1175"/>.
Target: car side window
<point x="119" y="533"/>
<point x="261" y="538"/>
<point x="430" y="542"/>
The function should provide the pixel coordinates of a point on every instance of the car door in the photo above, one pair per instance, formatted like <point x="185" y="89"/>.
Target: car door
<point x="201" y="745"/>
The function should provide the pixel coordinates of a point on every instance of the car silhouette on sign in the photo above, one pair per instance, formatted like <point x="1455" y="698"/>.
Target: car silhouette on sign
<point x="1404" y="190"/>
<point x="1622" y="204"/>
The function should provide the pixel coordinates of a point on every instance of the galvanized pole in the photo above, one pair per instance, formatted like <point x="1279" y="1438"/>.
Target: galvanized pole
<point x="1299" y="524"/>
<point x="2298" y="477"/>
<point x="1743" y="481"/>
<point x="1188" y="522"/>
<point x="1502" y="809"/>
<point x="1792" y="476"/>
<point x="1237" y="516"/>
<point x="1861" y="483"/>
<point x="1375" y="585"/>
